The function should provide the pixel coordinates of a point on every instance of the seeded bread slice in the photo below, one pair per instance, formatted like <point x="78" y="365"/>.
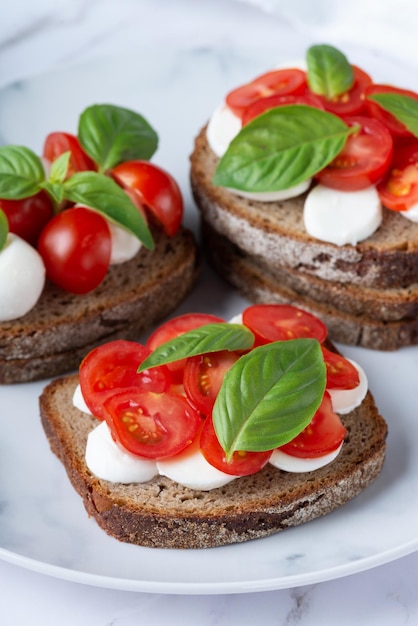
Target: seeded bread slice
<point x="163" y="514"/>
<point x="62" y="328"/>
<point x="275" y="232"/>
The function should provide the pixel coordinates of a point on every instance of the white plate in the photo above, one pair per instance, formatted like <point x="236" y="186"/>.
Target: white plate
<point x="43" y="525"/>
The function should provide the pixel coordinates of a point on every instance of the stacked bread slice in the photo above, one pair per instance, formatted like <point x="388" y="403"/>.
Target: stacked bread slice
<point x="367" y="294"/>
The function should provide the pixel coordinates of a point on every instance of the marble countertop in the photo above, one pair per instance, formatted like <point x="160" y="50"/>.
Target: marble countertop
<point x="47" y="38"/>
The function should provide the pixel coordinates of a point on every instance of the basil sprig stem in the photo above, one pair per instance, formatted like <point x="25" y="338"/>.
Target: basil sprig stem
<point x="281" y="148"/>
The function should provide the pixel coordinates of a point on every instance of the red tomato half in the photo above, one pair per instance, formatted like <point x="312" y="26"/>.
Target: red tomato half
<point x="341" y="374"/>
<point x="265" y="104"/>
<point x="151" y="425"/>
<point x="278" y="82"/>
<point x="156" y="189"/>
<point x="323" y="435"/>
<point x="364" y="160"/>
<point x="28" y="216"/>
<point x="396" y="128"/>
<point x="241" y="464"/>
<point x="279" y="322"/>
<point x="399" y="189"/>
<point x="114" y="366"/>
<point x="203" y="377"/>
<point x="175" y="327"/>
<point x="58" y="143"/>
<point x="75" y="246"/>
<point x="351" y="102"/>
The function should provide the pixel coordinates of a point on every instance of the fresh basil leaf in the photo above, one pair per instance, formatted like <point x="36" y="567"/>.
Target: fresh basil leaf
<point x="281" y="148"/>
<point x="329" y="72"/>
<point x="55" y="191"/>
<point x="269" y="396"/>
<point x="403" y="107"/>
<point x="102" y="193"/>
<point x="59" y="168"/>
<point x="21" y="172"/>
<point x="206" y="338"/>
<point x="111" y="135"/>
<point x="4" y="229"/>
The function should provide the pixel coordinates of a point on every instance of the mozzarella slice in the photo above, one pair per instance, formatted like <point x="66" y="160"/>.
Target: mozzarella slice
<point x="79" y="402"/>
<point x="124" y="244"/>
<point x="346" y="400"/>
<point x="108" y="461"/>
<point x="22" y="278"/>
<point x="411" y="214"/>
<point x="293" y="464"/>
<point x="342" y="217"/>
<point x="222" y="127"/>
<point x="190" y="469"/>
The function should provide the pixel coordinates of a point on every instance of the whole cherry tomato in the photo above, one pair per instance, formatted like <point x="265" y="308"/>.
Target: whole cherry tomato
<point x="75" y="246"/>
<point x="28" y="216"/>
<point x="155" y="189"/>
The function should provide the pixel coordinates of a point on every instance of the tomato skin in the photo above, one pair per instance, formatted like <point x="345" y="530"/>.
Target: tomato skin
<point x="398" y="191"/>
<point x="151" y="425"/>
<point x="241" y="464"/>
<point x="27" y="217"/>
<point x="75" y="246"/>
<point x="156" y="189"/>
<point x="175" y="327"/>
<point x="277" y="82"/>
<point x="57" y="143"/>
<point x="280" y="322"/>
<point x="113" y="366"/>
<point x="203" y="377"/>
<point x="364" y="160"/>
<point x="351" y="102"/>
<point x="396" y="128"/>
<point x="323" y="435"/>
<point x="264" y="104"/>
<point x="341" y="374"/>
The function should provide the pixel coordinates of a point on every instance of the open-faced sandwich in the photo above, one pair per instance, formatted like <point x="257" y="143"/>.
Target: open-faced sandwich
<point x="92" y="246"/>
<point x="307" y="183"/>
<point x="216" y="432"/>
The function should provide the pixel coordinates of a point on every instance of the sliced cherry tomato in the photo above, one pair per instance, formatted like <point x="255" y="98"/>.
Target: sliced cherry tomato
<point x="396" y="128"/>
<point x="155" y="189"/>
<point x="365" y="158"/>
<point x="75" y="246"/>
<point x="241" y="464"/>
<point x="323" y="435"/>
<point x="341" y="374"/>
<point x="58" y="143"/>
<point x="282" y="82"/>
<point x="28" y="216"/>
<point x="350" y="102"/>
<point x="113" y="366"/>
<point x="175" y="327"/>
<point x="398" y="191"/>
<point x="203" y="377"/>
<point x="279" y="322"/>
<point x="265" y="104"/>
<point x="151" y="425"/>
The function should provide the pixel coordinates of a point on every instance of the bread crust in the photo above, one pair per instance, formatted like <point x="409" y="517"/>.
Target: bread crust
<point x="62" y="328"/>
<point x="163" y="514"/>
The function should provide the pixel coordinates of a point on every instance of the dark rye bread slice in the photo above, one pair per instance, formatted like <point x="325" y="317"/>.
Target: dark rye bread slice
<point x="163" y="514"/>
<point x="257" y="283"/>
<point x="56" y="334"/>
<point x="275" y="232"/>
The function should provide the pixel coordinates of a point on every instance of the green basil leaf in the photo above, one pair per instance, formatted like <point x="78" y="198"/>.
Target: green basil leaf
<point x="206" y="338"/>
<point x="111" y="135"/>
<point x="102" y="193"/>
<point x="403" y="107"/>
<point x="269" y="396"/>
<point x="21" y="172"/>
<point x="55" y="190"/>
<point x="4" y="229"/>
<point x="281" y="148"/>
<point x="329" y="72"/>
<point x="59" y="168"/>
